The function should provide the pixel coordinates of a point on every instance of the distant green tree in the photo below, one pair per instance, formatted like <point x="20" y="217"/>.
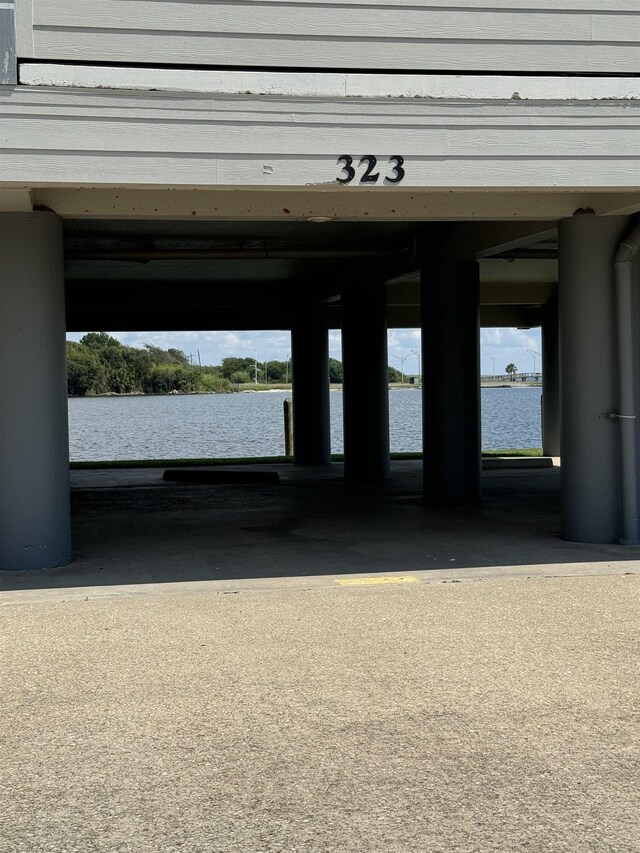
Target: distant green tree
<point x="335" y="371"/>
<point x="276" y="371"/>
<point x="161" y="379"/>
<point x="169" y="356"/>
<point x="186" y="379"/>
<point x="511" y="369"/>
<point x="393" y="375"/>
<point x="120" y="377"/>
<point x="137" y="364"/>
<point x="165" y="378"/>
<point x="232" y="364"/>
<point x="240" y="377"/>
<point x="100" y="363"/>
<point x="178" y="357"/>
<point x="85" y="372"/>
<point x="100" y="340"/>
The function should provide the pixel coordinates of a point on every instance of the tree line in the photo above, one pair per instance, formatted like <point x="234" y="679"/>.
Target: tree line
<point x="101" y="364"/>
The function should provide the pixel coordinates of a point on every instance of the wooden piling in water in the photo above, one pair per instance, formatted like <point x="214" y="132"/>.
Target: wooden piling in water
<point x="288" y="426"/>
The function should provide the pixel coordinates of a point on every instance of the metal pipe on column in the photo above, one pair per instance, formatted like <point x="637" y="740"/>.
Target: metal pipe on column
<point x="550" y="379"/>
<point x="627" y="415"/>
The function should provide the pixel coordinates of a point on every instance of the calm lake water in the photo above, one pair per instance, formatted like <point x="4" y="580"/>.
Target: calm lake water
<point x="251" y="424"/>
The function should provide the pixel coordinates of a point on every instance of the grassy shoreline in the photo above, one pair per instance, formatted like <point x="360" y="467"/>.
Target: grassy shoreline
<point x="252" y="387"/>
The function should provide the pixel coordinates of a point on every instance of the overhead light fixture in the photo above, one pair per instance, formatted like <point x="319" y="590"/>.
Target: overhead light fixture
<point x="319" y="218"/>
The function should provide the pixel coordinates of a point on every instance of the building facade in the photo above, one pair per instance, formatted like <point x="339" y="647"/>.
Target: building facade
<point x="306" y="165"/>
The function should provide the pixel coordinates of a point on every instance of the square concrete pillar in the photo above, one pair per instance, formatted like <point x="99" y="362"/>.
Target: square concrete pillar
<point x="311" y="417"/>
<point x="590" y="440"/>
<point x="365" y="367"/>
<point x="34" y="444"/>
<point x="450" y="300"/>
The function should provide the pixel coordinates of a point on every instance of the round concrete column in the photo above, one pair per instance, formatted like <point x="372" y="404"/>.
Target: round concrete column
<point x="311" y="419"/>
<point x="550" y="379"/>
<point x="365" y="383"/>
<point x="450" y="300"/>
<point x="34" y="447"/>
<point x="591" y="507"/>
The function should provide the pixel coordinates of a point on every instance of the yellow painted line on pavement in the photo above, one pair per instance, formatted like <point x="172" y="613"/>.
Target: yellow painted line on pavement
<point x="369" y="581"/>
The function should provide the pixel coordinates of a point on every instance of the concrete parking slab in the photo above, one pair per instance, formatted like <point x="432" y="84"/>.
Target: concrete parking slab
<point x="448" y="717"/>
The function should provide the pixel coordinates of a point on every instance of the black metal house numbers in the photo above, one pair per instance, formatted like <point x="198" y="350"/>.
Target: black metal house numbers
<point x="391" y="172"/>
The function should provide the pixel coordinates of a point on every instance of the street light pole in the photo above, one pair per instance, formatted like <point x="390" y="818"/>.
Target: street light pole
<point x="402" y="361"/>
<point x="419" y="357"/>
<point x="493" y="359"/>
<point x="534" y="353"/>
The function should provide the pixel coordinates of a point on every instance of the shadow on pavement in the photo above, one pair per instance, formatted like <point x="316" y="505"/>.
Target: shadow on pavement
<point x="130" y="527"/>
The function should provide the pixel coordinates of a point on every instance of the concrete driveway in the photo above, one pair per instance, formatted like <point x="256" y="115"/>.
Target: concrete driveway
<point x="404" y="715"/>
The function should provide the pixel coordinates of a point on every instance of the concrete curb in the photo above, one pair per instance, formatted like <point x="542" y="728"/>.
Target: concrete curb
<point x="493" y="463"/>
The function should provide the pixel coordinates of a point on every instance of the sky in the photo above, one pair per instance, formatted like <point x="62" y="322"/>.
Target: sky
<point x="503" y="345"/>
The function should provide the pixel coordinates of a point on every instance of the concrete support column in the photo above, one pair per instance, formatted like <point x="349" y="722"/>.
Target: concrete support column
<point x="450" y="298"/>
<point x="365" y="383"/>
<point x="34" y="448"/>
<point x="550" y="379"/>
<point x="311" y="419"/>
<point x="591" y="500"/>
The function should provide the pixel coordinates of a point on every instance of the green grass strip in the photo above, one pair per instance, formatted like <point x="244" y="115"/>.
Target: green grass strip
<point x="527" y="451"/>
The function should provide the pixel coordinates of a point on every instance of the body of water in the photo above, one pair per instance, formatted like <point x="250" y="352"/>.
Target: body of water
<point x="251" y="424"/>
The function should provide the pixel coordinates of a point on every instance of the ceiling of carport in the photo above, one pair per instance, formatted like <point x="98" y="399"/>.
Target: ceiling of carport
<point x="171" y="272"/>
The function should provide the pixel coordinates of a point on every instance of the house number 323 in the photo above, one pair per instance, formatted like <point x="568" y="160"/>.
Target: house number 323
<point x="395" y="171"/>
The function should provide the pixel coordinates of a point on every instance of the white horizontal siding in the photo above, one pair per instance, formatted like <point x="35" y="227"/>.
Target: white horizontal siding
<point x="461" y="35"/>
<point x="332" y="85"/>
<point x="386" y="22"/>
<point x="115" y="138"/>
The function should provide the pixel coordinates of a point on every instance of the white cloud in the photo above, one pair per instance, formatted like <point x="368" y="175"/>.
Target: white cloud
<point x="335" y="344"/>
<point x="503" y="345"/>
<point x="213" y="346"/>
<point x="404" y="339"/>
<point x="510" y="346"/>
